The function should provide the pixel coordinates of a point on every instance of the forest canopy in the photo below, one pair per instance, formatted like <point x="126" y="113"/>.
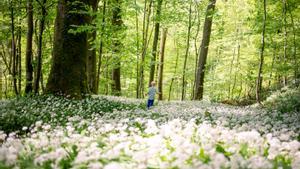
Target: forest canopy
<point x="225" y="50"/>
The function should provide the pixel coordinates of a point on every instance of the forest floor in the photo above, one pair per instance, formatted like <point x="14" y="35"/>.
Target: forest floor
<point x="115" y="133"/>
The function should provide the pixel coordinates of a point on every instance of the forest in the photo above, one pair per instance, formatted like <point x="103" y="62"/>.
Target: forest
<point x="76" y="78"/>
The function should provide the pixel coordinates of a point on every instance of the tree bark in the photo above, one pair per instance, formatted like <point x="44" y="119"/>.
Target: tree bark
<point x="91" y="58"/>
<point x="204" y="50"/>
<point x="196" y="51"/>
<point x="137" y="50"/>
<point x="68" y="71"/>
<point x="285" y="40"/>
<point x="161" y="63"/>
<point x="40" y="44"/>
<point x="101" y="45"/>
<point x="259" y="76"/>
<point x="117" y="24"/>
<point x="186" y="52"/>
<point x="146" y="21"/>
<point x="19" y="58"/>
<point x="13" y="49"/>
<point x="155" y="41"/>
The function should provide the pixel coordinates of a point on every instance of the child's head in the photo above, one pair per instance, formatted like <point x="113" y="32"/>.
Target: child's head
<point x="153" y="83"/>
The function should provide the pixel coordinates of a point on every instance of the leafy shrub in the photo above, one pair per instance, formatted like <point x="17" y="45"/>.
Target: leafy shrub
<point x="285" y="100"/>
<point x="23" y="112"/>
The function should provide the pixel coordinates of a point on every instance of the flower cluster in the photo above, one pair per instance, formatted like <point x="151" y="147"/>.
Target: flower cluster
<point x="171" y="135"/>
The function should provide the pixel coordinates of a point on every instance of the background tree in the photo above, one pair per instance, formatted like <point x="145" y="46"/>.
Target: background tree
<point x="29" y="69"/>
<point x="117" y="25"/>
<point x="155" y="40"/>
<point x="204" y="50"/>
<point x="161" y="63"/>
<point x="259" y="77"/>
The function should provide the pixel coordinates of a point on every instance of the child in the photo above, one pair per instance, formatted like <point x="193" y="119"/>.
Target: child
<point x="151" y="94"/>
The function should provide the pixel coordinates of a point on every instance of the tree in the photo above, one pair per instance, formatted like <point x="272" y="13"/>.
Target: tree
<point x="13" y="48"/>
<point x="155" y="41"/>
<point x="204" y="50"/>
<point x="40" y="44"/>
<point x="117" y="25"/>
<point x="91" y="55"/>
<point x="186" y="52"/>
<point x="161" y="63"/>
<point x="259" y="76"/>
<point x="101" y="45"/>
<point x="146" y="39"/>
<point x="68" y="70"/>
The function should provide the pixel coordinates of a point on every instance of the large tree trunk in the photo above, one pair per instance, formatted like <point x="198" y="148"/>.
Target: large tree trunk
<point x="155" y="41"/>
<point x="161" y="63"/>
<point x="204" y="50"/>
<point x="40" y="44"/>
<point x="91" y="58"/>
<point x="186" y="52"/>
<point x="117" y="24"/>
<point x="68" y="71"/>
<point x="259" y="76"/>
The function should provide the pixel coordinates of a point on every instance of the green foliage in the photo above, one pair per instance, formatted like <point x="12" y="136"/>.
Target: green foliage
<point x="285" y="100"/>
<point x="204" y="157"/>
<point x="26" y="111"/>
<point x="282" y="162"/>
<point x="220" y="149"/>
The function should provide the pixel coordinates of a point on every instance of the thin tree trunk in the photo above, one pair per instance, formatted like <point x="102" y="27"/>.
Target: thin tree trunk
<point x="39" y="49"/>
<point x="101" y="46"/>
<point x="175" y="70"/>
<point x="186" y="52"/>
<point x="204" y="50"/>
<point x="28" y="60"/>
<point x="161" y="63"/>
<point x="230" y="73"/>
<point x="155" y="41"/>
<point x="116" y="72"/>
<point x="259" y="77"/>
<point x="42" y="83"/>
<point x="196" y="51"/>
<point x="137" y="50"/>
<point x="13" y="49"/>
<point x="285" y="40"/>
<point x="146" y="23"/>
<point x="237" y="68"/>
<point x="106" y="75"/>
<point x="19" y="60"/>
